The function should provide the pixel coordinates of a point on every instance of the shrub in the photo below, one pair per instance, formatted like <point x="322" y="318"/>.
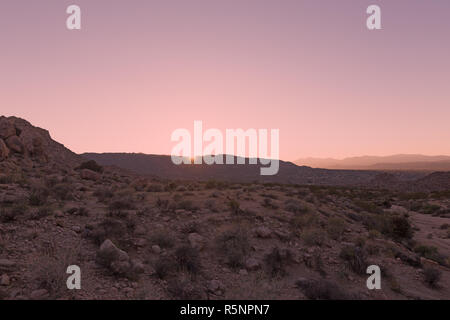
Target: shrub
<point x="295" y="206"/>
<point x="321" y="290"/>
<point x="355" y="257"/>
<point x="188" y="259"/>
<point x="163" y="267"/>
<point x="314" y="237"/>
<point x="234" y="206"/>
<point x="335" y="227"/>
<point x="182" y="288"/>
<point x="430" y="252"/>
<point x="163" y="238"/>
<point x="276" y="261"/>
<point x="62" y="191"/>
<point x="91" y="165"/>
<point x="108" y="229"/>
<point x="234" y="246"/>
<point x="432" y="277"/>
<point x="38" y="197"/>
<point x="42" y="212"/>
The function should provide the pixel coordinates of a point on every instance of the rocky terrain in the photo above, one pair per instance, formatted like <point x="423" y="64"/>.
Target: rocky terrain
<point x="138" y="237"/>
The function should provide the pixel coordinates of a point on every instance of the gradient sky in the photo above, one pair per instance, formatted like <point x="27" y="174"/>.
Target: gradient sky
<point x="140" y="69"/>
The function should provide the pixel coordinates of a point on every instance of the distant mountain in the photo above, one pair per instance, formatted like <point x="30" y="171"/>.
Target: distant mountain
<point x="162" y="166"/>
<point x="394" y="162"/>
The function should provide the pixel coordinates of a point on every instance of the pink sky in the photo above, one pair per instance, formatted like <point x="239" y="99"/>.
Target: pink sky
<point x="139" y="69"/>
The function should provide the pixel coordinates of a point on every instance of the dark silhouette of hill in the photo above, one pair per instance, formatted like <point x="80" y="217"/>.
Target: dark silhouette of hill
<point x="394" y="162"/>
<point x="162" y="166"/>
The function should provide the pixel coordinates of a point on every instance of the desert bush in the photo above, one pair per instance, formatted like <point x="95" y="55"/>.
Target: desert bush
<point x="49" y="272"/>
<point x="125" y="203"/>
<point x="367" y="206"/>
<point x="38" y="197"/>
<point x="276" y="261"/>
<point x="11" y="214"/>
<point x="91" y="165"/>
<point x="268" y="203"/>
<point x="234" y="206"/>
<point x="188" y="259"/>
<point x="355" y="257"/>
<point x="394" y="226"/>
<point x="183" y="288"/>
<point x="301" y="222"/>
<point x="432" y="277"/>
<point x="163" y="266"/>
<point x="210" y="204"/>
<point x="335" y="227"/>
<point x="234" y="245"/>
<point x="104" y="194"/>
<point x="430" y="252"/>
<point x="163" y="238"/>
<point x="295" y="206"/>
<point x="107" y="229"/>
<point x="314" y="237"/>
<point x="41" y="212"/>
<point x="321" y="290"/>
<point x="62" y="191"/>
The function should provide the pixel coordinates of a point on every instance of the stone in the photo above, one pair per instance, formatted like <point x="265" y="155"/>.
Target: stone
<point x="251" y="264"/>
<point x="196" y="241"/>
<point x="40" y="294"/>
<point x="4" y="151"/>
<point x="156" y="249"/>
<point x="87" y="174"/>
<point x="215" y="287"/>
<point x="263" y="232"/>
<point x="15" y="145"/>
<point x="7" y="129"/>
<point x="4" y="280"/>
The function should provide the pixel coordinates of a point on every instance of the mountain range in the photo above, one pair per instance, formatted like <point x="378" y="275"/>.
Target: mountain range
<point x="407" y="162"/>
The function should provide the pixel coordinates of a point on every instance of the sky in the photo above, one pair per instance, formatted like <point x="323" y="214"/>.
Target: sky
<point x="140" y="69"/>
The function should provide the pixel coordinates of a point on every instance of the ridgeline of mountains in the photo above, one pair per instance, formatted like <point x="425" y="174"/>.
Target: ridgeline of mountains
<point x="406" y="162"/>
<point x="289" y="173"/>
<point x="23" y="147"/>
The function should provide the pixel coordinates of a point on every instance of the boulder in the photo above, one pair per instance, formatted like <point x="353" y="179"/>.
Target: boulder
<point x="251" y="264"/>
<point x="263" y="232"/>
<point x="15" y="145"/>
<point x="4" y="151"/>
<point x="87" y="174"/>
<point x="7" y="129"/>
<point x="7" y="265"/>
<point x="196" y="241"/>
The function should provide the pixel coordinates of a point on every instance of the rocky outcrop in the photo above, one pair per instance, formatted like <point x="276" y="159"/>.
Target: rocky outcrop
<point x="4" y="151"/>
<point x="19" y="139"/>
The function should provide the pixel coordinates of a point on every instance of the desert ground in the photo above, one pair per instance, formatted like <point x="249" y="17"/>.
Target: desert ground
<point x="138" y="237"/>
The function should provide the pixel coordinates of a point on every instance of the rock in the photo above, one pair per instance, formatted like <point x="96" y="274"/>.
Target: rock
<point x="196" y="241"/>
<point x="4" y="151"/>
<point x="215" y="287"/>
<point x="263" y="232"/>
<point x="7" y="265"/>
<point x="156" y="249"/>
<point x="15" y="145"/>
<point x="243" y="272"/>
<point x="7" y="129"/>
<point x="87" y="174"/>
<point x="40" y="294"/>
<point x="108" y="251"/>
<point x="137" y="266"/>
<point x="251" y="264"/>
<point x="4" y="280"/>
<point x="140" y="230"/>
